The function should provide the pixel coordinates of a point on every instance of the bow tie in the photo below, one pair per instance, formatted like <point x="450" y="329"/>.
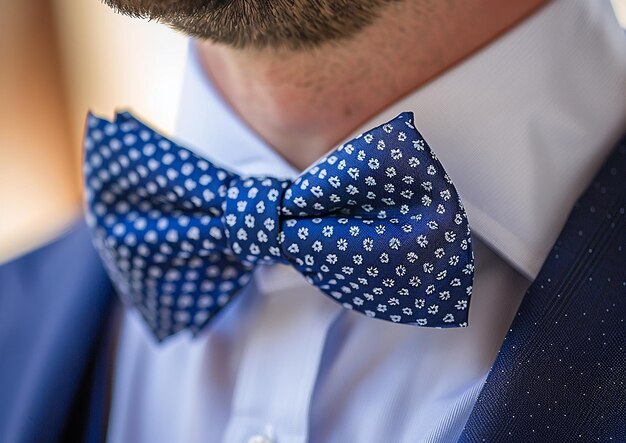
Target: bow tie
<point x="377" y="225"/>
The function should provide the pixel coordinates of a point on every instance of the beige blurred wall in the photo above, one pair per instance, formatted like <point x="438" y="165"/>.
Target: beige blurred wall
<point x="111" y="61"/>
<point x="59" y="59"/>
<point x="38" y="185"/>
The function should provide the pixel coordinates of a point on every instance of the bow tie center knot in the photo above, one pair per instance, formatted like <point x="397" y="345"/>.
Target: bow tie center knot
<point x="251" y="218"/>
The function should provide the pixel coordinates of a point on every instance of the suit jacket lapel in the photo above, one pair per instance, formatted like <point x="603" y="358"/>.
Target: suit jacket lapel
<point x="561" y="372"/>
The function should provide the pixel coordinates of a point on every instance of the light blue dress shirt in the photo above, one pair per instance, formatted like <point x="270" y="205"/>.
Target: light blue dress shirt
<point x="517" y="126"/>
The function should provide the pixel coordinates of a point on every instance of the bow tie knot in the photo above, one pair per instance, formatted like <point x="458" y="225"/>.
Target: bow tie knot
<point x="251" y="217"/>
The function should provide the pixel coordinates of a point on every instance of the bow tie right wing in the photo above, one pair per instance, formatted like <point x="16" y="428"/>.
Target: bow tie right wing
<point x="379" y="226"/>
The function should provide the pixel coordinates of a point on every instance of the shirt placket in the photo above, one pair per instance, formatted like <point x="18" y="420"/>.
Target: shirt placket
<point x="279" y="367"/>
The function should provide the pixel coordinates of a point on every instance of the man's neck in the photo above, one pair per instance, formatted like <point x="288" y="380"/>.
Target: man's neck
<point x="304" y="103"/>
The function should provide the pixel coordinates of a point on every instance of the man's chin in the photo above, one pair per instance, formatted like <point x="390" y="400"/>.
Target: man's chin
<point x="247" y="23"/>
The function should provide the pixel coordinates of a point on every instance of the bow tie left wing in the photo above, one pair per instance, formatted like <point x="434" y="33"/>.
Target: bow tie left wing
<point x="155" y="210"/>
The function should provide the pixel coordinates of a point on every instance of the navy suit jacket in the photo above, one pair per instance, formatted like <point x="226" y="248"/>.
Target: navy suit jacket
<point x="560" y="375"/>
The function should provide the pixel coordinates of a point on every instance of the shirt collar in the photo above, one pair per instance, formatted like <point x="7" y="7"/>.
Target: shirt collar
<point x="521" y="126"/>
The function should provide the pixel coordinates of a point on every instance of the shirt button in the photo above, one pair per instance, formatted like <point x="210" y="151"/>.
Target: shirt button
<point x="260" y="439"/>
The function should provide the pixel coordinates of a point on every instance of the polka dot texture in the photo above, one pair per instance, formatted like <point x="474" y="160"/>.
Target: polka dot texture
<point x="377" y="225"/>
<point x="560" y="375"/>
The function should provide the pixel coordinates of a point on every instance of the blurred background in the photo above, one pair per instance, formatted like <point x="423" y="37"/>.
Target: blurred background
<point x="59" y="58"/>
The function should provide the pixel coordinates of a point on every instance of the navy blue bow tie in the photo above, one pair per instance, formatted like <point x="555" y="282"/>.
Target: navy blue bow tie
<point x="376" y="224"/>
